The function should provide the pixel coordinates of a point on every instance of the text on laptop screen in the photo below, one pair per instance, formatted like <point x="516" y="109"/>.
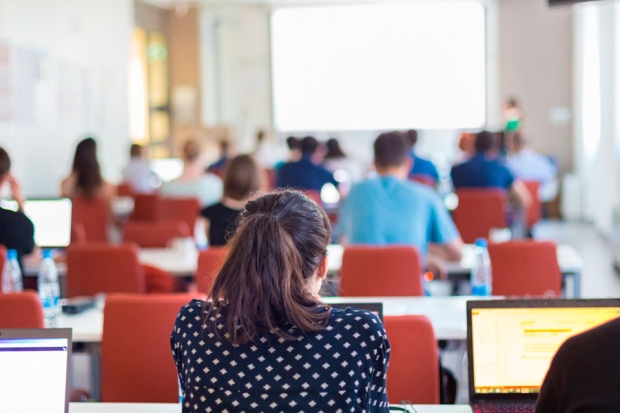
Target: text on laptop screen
<point x="513" y="347"/>
<point x="33" y="376"/>
<point x="51" y="219"/>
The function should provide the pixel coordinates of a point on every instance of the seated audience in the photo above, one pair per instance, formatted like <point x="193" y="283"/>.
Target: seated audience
<point x="305" y="174"/>
<point x="218" y="167"/>
<point x="242" y="181"/>
<point x="85" y="179"/>
<point x="485" y="171"/>
<point x="336" y="159"/>
<point x="265" y="341"/>
<point x="16" y="230"/>
<point x="267" y="155"/>
<point x="391" y="210"/>
<point x="421" y="168"/>
<point x="294" y="151"/>
<point x="528" y="165"/>
<point x="583" y="376"/>
<point x="194" y="182"/>
<point x="138" y="174"/>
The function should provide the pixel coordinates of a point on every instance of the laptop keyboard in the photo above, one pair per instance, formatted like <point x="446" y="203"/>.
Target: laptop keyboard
<point x="505" y="408"/>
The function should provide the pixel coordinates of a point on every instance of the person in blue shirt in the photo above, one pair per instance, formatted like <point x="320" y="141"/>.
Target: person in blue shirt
<point x="421" y="167"/>
<point x="391" y="210"/>
<point x="484" y="170"/>
<point x="305" y="174"/>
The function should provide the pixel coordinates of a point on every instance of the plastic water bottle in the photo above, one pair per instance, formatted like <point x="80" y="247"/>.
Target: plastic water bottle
<point x="49" y="289"/>
<point x="12" y="274"/>
<point x="481" y="276"/>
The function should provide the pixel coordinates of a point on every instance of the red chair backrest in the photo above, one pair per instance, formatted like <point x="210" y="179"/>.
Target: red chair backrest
<point x="136" y="364"/>
<point x="534" y="210"/>
<point x="523" y="268"/>
<point x="93" y="215"/>
<point x="424" y="180"/>
<point x="392" y="271"/>
<point x="315" y="196"/>
<point x="414" y="362"/>
<point x="95" y="268"/>
<point x="154" y="234"/>
<point x="183" y="209"/>
<point x="2" y="260"/>
<point x="146" y="207"/>
<point x="272" y="178"/>
<point x="124" y="189"/>
<point x="478" y="211"/>
<point x="210" y="262"/>
<point x="21" y="310"/>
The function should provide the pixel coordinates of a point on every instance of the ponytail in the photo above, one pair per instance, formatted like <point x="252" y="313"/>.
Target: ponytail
<point x="263" y="285"/>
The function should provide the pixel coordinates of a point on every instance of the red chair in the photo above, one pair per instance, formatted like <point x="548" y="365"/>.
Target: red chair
<point x="414" y="362"/>
<point x="368" y="271"/>
<point x="525" y="268"/>
<point x="154" y="234"/>
<point x="136" y="364"/>
<point x="424" y="180"/>
<point x="93" y="215"/>
<point x="210" y="262"/>
<point x="315" y="196"/>
<point x="182" y="209"/>
<point x="2" y="261"/>
<point x="534" y="211"/>
<point x="124" y="189"/>
<point x="478" y="211"/>
<point x="21" y="310"/>
<point x="272" y="178"/>
<point x="146" y="208"/>
<point x="100" y="268"/>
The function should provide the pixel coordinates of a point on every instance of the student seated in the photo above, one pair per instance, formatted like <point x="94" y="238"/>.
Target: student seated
<point x="422" y="168"/>
<point x="194" y="182"/>
<point x="391" y="210"/>
<point x="485" y="171"/>
<point x="242" y="180"/>
<point x="16" y="229"/>
<point x="584" y="374"/>
<point x="305" y="174"/>
<point x="218" y="166"/>
<point x="138" y="173"/>
<point x="264" y="342"/>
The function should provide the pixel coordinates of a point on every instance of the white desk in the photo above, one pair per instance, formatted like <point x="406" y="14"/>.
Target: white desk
<point x="174" y="408"/>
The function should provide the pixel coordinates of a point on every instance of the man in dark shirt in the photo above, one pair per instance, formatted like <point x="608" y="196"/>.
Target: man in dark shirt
<point x="585" y="374"/>
<point x="305" y="174"/>
<point x="16" y="230"/>
<point x="421" y="167"/>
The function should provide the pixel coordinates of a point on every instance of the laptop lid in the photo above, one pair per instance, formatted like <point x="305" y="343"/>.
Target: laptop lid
<point x="510" y="343"/>
<point x="34" y="376"/>
<point x="376" y="308"/>
<point x="51" y="219"/>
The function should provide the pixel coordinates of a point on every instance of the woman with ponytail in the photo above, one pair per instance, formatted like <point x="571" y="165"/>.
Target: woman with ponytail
<point x="264" y="341"/>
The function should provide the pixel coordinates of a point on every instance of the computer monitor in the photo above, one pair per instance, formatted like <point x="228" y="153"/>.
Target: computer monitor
<point x="51" y="219"/>
<point x="34" y="376"/>
<point x="511" y="343"/>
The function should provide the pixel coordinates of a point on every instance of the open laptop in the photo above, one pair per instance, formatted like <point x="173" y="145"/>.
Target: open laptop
<point x="376" y="307"/>
<point x="34" y="372"/>
<point x="510" y="345"/>
<point x="51" y="219"/>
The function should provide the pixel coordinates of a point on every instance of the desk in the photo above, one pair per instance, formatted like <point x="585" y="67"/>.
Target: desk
<point x="174" y="408"/>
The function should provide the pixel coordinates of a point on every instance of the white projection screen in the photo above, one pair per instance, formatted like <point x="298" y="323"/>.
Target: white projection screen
<point x="387" y="66"/>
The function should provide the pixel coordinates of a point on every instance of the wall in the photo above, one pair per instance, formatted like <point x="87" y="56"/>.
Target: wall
<point x="68" y="79"/>
<point x="535" y="44"/>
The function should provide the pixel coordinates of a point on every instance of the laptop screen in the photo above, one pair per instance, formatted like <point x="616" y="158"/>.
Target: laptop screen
<point x="33" y="377"/>
<point x="51" y="219"/>
<point x="513" y="347"/>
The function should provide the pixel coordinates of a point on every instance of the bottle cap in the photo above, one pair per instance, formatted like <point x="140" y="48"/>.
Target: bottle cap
<point x="482" y="243"/>
<point x="11" y="254"/>
<point x="47" y="254"/>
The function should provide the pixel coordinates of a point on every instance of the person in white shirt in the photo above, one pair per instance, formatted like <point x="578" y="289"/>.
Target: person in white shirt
<point x="528" y="165"/>
<point x="138" y="173"/>
<point x="194" y="182"/>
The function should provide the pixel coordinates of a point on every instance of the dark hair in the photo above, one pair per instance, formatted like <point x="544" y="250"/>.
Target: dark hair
<point x="484" y="141"/>
<point x="242" y="178"/>
<point x="260" y="136"/>
<point x="309" y="145"/>
<point x="334" y="151"/>
<point x="86" y="167"/>
<point x="411" y="137"/>
<point x="293" y="143"/>
<point x="135" y="151"/>
<point x="390" y="149"/>
<point x="224" y="145"/>
<point x="279" y="243"/>
<point x="5" y="163"/>
<point x="191" y="150"/>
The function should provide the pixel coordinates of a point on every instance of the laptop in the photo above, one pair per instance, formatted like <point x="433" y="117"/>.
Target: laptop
<point x="510" y="345"/>
<point x="34" y="373"/>
<point x="376" y="308"/>
<point x="51" y="219"/>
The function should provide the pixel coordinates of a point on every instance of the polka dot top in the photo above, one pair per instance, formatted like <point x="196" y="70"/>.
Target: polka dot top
<point x="342" y="368"/>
